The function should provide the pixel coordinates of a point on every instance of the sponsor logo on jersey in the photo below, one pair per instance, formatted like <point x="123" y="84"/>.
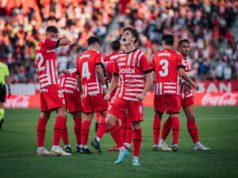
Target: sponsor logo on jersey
<point x="127" y="70"/>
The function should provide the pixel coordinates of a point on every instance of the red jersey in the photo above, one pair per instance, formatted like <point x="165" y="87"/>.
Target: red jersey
<point x="109" y="62"/>
<point x="46" y="62"/>
<point x="131" y="67"/>
<point x="185" y="92"/>
<point x="69" y="82"/>
<point x="86" y="65"/>
<point x="165" y="64"/>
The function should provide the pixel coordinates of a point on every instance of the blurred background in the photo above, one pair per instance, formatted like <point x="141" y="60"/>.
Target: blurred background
<point x="212" y="27"/>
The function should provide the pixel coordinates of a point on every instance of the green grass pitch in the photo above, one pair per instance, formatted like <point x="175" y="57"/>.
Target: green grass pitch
<point x="218" y="128"/>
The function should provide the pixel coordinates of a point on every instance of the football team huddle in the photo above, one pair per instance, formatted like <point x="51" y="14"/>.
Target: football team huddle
<point x="114" y="86"/>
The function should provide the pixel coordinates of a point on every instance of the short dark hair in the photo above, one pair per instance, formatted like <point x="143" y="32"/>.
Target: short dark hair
<point x="115" y="45"/>
<point x="93" y="39"/>
<point x="133" y="31"/>
<point x="53" y="29"/>
<point x="168" y="39"/>
<point x="183" y="41"/>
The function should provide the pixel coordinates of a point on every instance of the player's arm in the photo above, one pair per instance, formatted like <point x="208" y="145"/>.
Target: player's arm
<point x="112" y="86"/>
<point x="183" y="74"/>
<point x="100" y="74"/>
<point x="64" y="41"/>
<point x="8" y="80"/>
<point x="148" y="84"/>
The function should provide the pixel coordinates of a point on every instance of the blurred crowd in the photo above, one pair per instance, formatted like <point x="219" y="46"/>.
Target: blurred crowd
<point x="23" y="24"/>
<point x="208" y="24"/>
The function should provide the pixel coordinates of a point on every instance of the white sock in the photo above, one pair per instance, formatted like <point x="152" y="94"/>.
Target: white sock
<point x="128" y="145"/>
<point x="85" y="146"/>
<point x="55" y="147"/>
<point x="98" y="139"/>
<point x="135" y="157"/>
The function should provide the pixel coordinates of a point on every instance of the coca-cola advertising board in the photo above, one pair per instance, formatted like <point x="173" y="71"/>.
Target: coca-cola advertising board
<point x="211" y="93"/>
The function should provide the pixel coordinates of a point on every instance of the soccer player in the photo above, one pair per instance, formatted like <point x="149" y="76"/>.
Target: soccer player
<point x="167" y="65"/>
<point x="4" y="79"/>
<point x="125" y="122"/>
<point x="51" y="97"/>
<point x="72" y="95"/>
<point x="90" y="69"/>
<point x="132" y="76"/>
<point x="188" y="98"/>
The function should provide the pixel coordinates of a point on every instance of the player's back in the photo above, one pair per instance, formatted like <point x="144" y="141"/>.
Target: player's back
<point x="86" y="67"/>
<point x="166" y="63"/>
<point x="68" y="82"/>
<point x="46" y="62"/>
<point x="109" y="62"/>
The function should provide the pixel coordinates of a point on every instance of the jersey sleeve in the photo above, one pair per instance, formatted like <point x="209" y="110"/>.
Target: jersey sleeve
<point x="115" y="68"/>
<point x="51" y="44"/>
<point x="99" y="58"/>
<point x="180" y="61"/>
<point x="144" y="63"/>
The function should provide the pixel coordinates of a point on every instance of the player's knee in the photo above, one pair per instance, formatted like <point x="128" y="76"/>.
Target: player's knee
<point x="136" y="126"/>
<point x="110" y="120"/>
<point x="62" y="112"/>
<point x="45" y="115"/>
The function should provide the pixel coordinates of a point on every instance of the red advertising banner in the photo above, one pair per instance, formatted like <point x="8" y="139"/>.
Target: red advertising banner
<point x="211" y="93"/>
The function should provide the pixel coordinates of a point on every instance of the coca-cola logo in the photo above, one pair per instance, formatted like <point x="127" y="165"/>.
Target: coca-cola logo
<point x="17" y="101"/>
<point x="224" y="99"/>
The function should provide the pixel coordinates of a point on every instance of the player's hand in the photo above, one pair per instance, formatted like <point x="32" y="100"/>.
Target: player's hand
<point x="187" y="86"/>
<point x="140" y="97"/>
<point x="107" y="97"/>
<point x="196" y="87"/>
<point x="66" y="72"/>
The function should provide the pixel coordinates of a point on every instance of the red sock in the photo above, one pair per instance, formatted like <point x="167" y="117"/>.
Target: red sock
<point x="175" y="125"/>
<point x="123" y="128"/>
<point x="85" y="132"/>
<point x="192" y="129"/>
<point x="137" y="140"/>
<point x="166" y="128"/>
<point x="58" y="128"/>
<point x="41" y="127"/>
<point x="102" y="127"/>
<point x="115" y="133"/>
<point x="97" y="116"/>
<point x="77" y="129"/>
<point x="156" y="128"/>
<point x="129" y="131"/>
<point x="65" y="136"/>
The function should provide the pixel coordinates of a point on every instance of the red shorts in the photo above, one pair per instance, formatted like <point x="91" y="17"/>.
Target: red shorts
<point x="187" y="102"/>
<point x="170" y="103"/>
<point x="118" y="106"/>
<point x="73" y="101"/>
<point x="94" y="103"/>
<point x="51" y="98"/>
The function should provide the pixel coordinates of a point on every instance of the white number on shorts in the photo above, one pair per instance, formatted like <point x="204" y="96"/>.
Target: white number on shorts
<point x="165" y="66"/>
<point x="39" y="62"/>
<point x="85" y="71"/>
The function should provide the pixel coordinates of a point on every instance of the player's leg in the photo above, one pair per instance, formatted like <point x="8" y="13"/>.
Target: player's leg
<point x="188" y="108"/>
<point x="2" y="100"/>
<point x="88" y="117"/>
<point x="41" y="130"/>
<point x="77" y="128"/>
<point x="102" y="128"/>
<point x="137" y="140"/>
<point x="59" y="126"/>
<point x="156" y="130"/>
<point x="114" y="130"/>
<point x="128" y="134"/>
<point x="173" y="103"/>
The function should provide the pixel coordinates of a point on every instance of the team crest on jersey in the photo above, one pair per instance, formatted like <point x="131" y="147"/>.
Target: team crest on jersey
<point x="127" y="70"/>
